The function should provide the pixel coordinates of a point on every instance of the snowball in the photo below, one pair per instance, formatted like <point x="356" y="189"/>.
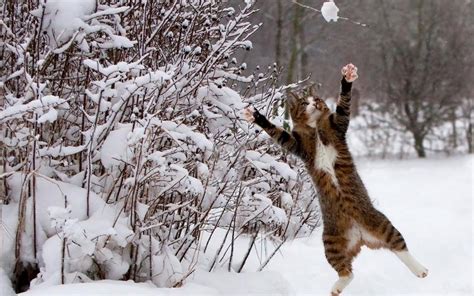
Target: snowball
<point x="329" y="11"/>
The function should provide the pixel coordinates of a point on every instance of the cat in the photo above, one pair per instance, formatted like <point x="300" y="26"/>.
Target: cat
<point x="349" y="218"/>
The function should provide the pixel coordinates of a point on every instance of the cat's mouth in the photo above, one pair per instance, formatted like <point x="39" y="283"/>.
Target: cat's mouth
<point x="314" y="108"/>
<point x="313" y="115"/>
<point x="311" y="106"/>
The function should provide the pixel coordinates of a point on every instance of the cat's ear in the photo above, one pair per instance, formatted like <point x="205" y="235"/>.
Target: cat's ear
<point x="312" y="91"/>
<point x="293" y="102"/>
<point x="292" y="99"/>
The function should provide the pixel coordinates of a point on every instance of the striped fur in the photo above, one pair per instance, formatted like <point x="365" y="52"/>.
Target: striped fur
<point x="350" y="219"/>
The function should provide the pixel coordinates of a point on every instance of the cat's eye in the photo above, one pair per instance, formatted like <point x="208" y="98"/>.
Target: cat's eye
<point x="304" y="103"/>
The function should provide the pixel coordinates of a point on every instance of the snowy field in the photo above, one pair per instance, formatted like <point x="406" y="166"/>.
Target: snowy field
<point x="429" y="201"/>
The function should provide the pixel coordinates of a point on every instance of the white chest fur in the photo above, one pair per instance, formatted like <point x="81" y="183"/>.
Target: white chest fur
<point x="325" y="159"/>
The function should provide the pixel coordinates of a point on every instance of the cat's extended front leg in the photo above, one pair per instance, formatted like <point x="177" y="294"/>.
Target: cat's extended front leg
<point x="278" y="134"/>
<point x="343" y="110"/>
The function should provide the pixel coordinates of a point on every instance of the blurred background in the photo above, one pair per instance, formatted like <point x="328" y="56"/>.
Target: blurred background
<point x="124" y="155"/>
<point x="414" y="95"/>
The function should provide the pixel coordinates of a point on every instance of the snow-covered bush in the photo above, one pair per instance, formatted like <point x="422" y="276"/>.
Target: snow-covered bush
<point x="122" y="140"/>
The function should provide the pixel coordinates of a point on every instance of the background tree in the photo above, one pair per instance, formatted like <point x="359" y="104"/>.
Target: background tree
<point x="425" y="63"/>
<point x="414" y="55"/>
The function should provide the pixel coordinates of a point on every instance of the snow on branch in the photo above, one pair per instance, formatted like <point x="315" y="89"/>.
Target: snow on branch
<point x="46" y="102"/>
<point x="123" y="134"/>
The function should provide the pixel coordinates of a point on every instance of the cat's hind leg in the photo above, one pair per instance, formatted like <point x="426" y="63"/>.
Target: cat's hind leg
<point x="335" y="249"/>
<point x="341" y="283"/>
<point x="395" y="242"/>
<point x="416" y="268"/>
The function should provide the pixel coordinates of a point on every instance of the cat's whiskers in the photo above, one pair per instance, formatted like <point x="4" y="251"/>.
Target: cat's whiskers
<point x="312" y="112"/>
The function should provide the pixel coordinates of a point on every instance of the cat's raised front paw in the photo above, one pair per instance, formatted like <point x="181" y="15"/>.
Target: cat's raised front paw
<point x="349" y="72"/>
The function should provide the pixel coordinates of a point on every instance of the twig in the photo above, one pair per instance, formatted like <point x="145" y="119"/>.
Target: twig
<point x="339" y="17"/>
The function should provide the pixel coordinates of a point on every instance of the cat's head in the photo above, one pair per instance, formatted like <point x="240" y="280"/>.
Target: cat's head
<point x="307" y="108"/>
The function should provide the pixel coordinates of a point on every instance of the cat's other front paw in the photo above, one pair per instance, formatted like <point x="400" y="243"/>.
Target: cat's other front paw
<point x="349" y="72"/>
<point x="247" y="114"/>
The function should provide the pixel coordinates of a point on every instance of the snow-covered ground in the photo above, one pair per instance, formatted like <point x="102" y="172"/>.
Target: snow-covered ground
<point x="429" y="201"/>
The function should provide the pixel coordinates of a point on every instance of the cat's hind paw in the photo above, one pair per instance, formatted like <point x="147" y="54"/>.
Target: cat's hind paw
<point x="422" y="272"/>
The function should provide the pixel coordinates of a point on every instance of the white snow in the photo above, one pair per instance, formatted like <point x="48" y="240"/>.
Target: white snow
<point x="60" y="150"/>
<point x="108" y="287"/>
<point x="249" y="283"/>
<point x="428" y="200"/>
<point x="183" y="132"/>
<point x="267" y="162"/>
<point x="50" y="116"/>
<point x="167" y="270"/>
<point x="168" y="157"/>
<point x="16" y="111"/>
<point x="119" y="67"/>
<point x="53" y="220"/>
<point x="63" y="17"/>
<point x="197" y="50"/>
<point x="115" y="150"/>
<point x="5" y="286"/>
<point x="329" y="11"/>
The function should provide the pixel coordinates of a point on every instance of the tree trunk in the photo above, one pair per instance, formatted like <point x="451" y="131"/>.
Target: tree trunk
<point x="294" y="43"/>
<point x="297" y="11"/>
<point x="420" y="149"/>
<point x="303" y="54"/>
<point x="470" y="138"/>
<point x="455" y="132"/>
<point x="279" y="27"/>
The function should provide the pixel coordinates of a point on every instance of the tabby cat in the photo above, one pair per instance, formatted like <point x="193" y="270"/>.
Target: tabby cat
<point x="349" y="218"/>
